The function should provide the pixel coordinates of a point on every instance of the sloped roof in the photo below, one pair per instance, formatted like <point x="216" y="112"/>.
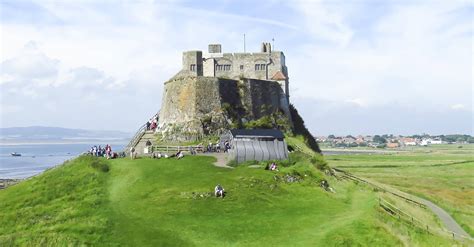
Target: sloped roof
<point x="257" y="133"/>
<point x="278" y="76"/>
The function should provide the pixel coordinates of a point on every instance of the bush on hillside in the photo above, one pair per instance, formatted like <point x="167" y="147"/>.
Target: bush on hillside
<point x="319" y="162"/>
<point x="97" y="164"/>
<point x="300" y="129"/>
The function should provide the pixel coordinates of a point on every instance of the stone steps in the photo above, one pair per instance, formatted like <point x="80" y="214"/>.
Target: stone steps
<point x="149" y="135"/>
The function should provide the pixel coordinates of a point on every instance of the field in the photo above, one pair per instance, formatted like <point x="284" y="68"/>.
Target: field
<point x="443" y="174"/>
<point x="168" y="202"/>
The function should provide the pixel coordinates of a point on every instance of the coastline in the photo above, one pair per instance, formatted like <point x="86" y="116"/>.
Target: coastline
<point x="62" y="142"/>
<point x="7" y="182"/>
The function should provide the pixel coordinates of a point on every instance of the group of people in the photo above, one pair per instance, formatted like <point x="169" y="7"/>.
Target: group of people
<point x="106" y="151"/>
<point x="152" y="123"/>
<point x="216" y="148"/>
<point x="178" y="155"/>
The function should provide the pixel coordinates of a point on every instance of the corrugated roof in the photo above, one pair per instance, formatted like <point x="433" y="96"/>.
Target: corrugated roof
<point x="278" y="76"/>
<point x="257" y="132"/>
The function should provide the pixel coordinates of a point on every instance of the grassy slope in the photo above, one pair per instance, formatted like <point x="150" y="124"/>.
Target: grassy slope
<point x="442" y="174"/>
<point x="63" y="205"/>
<point x="149" y="202"/>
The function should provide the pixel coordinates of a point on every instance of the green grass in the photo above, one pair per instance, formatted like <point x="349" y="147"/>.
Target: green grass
<point x="440" y="173"/>
<point x="148" y="202"/>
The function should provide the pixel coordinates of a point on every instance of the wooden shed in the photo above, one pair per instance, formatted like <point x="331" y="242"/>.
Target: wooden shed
<point x="255" y="144"/>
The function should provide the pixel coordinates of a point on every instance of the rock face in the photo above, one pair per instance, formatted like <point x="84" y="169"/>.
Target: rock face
<point x="195" y="106"/>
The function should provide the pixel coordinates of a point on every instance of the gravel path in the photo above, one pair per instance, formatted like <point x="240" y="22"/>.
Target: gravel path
<point x="447" y="220"/>
<point x="221" y="159"/>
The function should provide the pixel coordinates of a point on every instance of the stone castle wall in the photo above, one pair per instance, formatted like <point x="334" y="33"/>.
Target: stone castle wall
<point x="193" y="106"/>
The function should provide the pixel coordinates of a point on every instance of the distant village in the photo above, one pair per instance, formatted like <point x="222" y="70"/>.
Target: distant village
<point x="391" y="141"/>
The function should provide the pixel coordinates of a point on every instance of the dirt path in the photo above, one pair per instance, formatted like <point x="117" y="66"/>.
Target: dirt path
<point x="222" y="159"/>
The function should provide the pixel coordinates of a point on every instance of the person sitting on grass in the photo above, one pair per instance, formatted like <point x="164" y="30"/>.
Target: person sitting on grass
<point x="273" y="167"/>
<point x="179" y="155"/>
<point x="219" y="191"/>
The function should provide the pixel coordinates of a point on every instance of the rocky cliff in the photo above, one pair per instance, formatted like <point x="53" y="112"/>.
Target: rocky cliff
<point x="195" y="106"/>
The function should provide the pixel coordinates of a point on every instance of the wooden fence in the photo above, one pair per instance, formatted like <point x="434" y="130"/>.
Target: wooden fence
<point x="406" y="218"/>
<point x="403" y="216"/>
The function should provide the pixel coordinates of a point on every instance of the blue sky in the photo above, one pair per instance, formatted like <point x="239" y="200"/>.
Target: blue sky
<point x="356" y="67"/>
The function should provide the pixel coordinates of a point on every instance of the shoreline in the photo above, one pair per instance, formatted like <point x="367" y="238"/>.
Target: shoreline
<point x="7" y="182"/>
<point x="61" y="142"/>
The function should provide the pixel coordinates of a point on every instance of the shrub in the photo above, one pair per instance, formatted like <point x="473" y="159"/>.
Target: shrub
<point x="319" y="162"/>
<point x="99" y="165"/>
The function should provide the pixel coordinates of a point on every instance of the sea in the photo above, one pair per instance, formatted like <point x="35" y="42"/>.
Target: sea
<point x="35" y="158"/>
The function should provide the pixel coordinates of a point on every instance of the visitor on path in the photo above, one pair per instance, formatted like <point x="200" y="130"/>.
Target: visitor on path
<point x="218" y="147"/>
<point x="226" y="146"/>
<point x="219" y="191"/>
<point x="108" y="151"/>
<point x="132" y="153"/>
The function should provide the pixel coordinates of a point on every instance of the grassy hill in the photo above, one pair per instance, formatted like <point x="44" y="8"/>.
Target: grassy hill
<point x="168" y="202"/>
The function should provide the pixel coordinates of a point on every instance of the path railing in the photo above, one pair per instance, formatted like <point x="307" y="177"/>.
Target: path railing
<point x="136" y="138"/>
<point x="401" y="215"/>
<point x="354" y="178"/>
<point x="404" y="217"/>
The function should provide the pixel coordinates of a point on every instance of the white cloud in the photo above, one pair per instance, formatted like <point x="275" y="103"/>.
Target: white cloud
<point x="323" y="23"/>
<point x="414" y="55"/>
<point x="458" y="107"/>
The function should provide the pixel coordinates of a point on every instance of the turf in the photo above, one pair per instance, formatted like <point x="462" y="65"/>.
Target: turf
<point x="166" y="202"/>
<point x="440" y="173"/>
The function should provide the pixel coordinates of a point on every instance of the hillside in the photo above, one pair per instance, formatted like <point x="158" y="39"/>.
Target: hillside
<point x="167" y="202"/>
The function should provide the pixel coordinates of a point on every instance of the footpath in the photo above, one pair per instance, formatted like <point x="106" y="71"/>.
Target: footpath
<point x="448" y="221"/>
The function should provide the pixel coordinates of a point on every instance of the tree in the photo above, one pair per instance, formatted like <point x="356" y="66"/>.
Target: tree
<point x="379" y="139"/>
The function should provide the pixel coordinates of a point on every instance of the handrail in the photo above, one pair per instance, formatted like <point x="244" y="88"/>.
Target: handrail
<point x="136" y="138"/>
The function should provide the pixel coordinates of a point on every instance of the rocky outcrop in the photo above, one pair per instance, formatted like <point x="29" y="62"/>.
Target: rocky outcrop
<point x="196" y="106"/>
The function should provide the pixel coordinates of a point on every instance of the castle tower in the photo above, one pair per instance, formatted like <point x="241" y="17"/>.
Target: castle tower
<point x="192" y="62"/>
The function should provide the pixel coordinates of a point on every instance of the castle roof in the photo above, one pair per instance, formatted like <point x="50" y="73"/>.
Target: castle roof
<point x="275" y="133"/>
<point x="278" y="76"/>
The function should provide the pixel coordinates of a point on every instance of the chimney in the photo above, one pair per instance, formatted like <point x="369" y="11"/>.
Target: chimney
<point x="215" y="48"/>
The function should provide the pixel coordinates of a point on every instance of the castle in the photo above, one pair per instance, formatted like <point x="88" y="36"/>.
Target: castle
<point x="216" y="91"/>
<point x="263" y="65"/>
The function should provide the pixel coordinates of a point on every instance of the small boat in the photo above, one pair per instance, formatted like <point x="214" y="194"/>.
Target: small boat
<point x="15" y="154"/>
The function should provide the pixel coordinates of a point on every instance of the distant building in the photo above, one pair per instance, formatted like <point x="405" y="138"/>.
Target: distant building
<point x="429" y="141"/>
<point x="407" y="141"/>
<point x="256" y="144"/>
<point x="393" y="145"/>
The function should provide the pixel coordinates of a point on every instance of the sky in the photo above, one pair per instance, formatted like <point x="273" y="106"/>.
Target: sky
<point x="355" y="66"/>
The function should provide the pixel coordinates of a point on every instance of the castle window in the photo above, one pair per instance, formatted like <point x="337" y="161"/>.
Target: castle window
<point x="260" y="67"/>
<point x="241" y="67"/>
<point x="223" y="67"/>
<point x="192" y="67"/>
